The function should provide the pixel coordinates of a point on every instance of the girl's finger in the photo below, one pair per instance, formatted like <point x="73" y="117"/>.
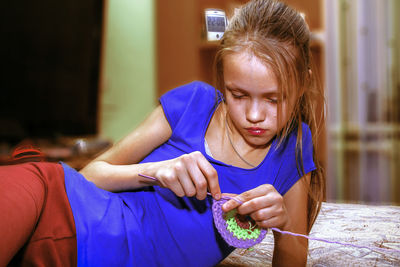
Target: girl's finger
<point x="259" y="191"/>
<point x="200" y="182"/>
<point x="185" y="179"/>
<point x="271" y="200"/>
<point x="262" y="214"/>
<point x="254" y="204"/>
<point x="211" y="176"/>
<point x="270" y="222"/>
<point x="171" y="181"/>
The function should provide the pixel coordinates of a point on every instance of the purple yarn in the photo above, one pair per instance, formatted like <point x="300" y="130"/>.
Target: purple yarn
<point x="336" y="242"/>
<point x="220" y="224"/>
<point x="148" y="177"/>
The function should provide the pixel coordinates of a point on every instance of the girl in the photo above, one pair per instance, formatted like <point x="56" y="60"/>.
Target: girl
<point x="252" y="138"/>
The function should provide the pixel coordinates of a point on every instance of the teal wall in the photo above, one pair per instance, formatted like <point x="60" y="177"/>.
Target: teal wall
<point x="127" y="84"/>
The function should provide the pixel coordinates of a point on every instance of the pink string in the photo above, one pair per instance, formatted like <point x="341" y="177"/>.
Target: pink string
<point x="301" y="235"/>
<point x="148" y="177"/>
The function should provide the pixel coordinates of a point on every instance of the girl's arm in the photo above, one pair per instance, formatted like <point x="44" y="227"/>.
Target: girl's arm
<point x="117" y="169"/>
<point x="290" y="250"/>
<point x="289" y="213"/>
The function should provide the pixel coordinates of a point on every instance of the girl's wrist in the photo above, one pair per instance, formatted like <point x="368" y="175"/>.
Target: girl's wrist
<point x="287" y="226"/>
<point x="147" y="173"/>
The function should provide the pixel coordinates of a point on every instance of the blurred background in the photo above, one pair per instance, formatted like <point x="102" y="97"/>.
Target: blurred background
<point x="76" y="76"/>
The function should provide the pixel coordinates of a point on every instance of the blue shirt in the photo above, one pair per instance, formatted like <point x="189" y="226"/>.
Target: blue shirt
<point x="154" y="227"/>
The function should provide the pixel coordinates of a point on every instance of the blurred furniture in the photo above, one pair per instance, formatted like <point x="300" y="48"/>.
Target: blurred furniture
<point x="363" y="94"/>
<point x="363" y="225"/>
<point x="76" y="152"/>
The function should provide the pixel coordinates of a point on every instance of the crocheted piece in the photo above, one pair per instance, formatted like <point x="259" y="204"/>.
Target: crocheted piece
<point x="237" y="230"/>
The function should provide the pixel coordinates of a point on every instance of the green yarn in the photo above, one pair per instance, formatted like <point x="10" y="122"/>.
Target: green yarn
<point x="238" y="231"/>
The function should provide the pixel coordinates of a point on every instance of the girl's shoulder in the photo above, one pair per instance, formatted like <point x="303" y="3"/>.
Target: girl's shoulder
<point x="291" y="140"/>
<point x="292" y="159"/>
<point x="195" y="97"/>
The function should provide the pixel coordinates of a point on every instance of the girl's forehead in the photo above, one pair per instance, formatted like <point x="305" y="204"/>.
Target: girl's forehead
<point x="246" y="61"/>
<point x="246" y="70"/>
<point x="242" y="55"/>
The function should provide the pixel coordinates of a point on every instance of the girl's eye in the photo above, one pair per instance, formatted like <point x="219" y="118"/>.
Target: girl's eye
<point x="272" y="100"/>
<point x="238" y="96"/>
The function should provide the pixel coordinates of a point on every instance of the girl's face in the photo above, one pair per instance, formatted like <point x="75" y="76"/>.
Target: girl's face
<point x="252" y="97"/>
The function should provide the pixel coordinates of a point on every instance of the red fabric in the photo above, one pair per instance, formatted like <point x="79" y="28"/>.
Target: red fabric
<point x="26" y="153"/>
<point x="37" y="226"/>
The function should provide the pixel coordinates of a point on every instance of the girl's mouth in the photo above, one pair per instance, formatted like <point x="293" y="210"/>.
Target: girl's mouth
<point x="256" y="131"/>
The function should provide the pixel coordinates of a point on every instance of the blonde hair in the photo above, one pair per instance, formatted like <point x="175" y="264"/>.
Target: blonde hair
<point x="278" y="36"/>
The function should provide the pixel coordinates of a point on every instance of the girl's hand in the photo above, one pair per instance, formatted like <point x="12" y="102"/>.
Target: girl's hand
<point x="269" y="209"/>
<point x="264" y="204"/>
<point x="188" y="175"/>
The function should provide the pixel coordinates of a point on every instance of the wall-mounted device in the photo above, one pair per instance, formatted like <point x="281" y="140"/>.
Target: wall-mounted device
<point x="216" y="23"/>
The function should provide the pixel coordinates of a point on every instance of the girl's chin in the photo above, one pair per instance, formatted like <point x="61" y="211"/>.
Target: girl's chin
<point x="258" y="141"/>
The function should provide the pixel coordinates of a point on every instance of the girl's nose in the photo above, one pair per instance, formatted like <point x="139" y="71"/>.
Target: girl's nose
<point x="255" y="112"/>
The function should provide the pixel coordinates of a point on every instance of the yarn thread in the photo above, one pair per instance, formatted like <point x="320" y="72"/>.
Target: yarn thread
<point x="234" y="233"/>
<point x="384" y="250"/>
<point x="240" y="233"/>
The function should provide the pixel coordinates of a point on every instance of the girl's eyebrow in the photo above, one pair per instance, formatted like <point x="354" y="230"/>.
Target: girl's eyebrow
<point x="235" y="88"/>
<point x="273" y="91"/>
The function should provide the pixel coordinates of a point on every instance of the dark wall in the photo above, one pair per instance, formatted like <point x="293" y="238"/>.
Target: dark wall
<point x="49" y="70"/>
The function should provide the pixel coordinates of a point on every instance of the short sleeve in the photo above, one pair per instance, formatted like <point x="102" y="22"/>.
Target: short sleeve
<point x="292" y="164"/>
<point x="308" y="161"/>
<point x="186" y="98"/>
